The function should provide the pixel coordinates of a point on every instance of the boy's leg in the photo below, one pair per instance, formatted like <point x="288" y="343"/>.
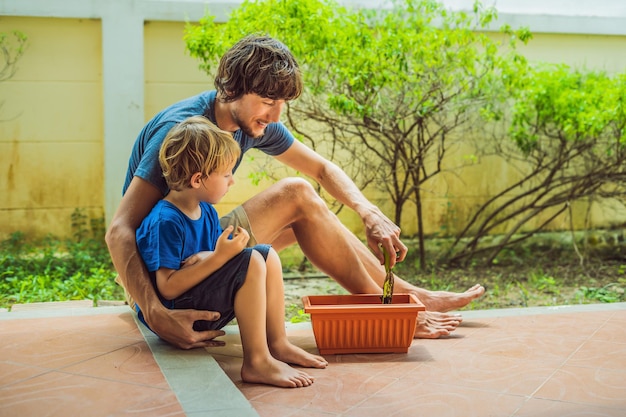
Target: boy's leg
<point x="259" y="366"/>
<point x="280" y="346"/>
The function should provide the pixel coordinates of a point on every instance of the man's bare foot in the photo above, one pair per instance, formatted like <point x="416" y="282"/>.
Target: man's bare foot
<point x="432" y="325"/>
<point x="271" y="371"/>
<point x="284" y="351"/>
<point x="444" y="301"/>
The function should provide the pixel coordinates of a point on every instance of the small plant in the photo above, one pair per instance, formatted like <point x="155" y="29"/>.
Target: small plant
<point x="297" y="314"/>
<point x="610" y="293"/>
<point x="524" y="293"/>
<point x="543" y="283"/>
<point x="12" y="47"/>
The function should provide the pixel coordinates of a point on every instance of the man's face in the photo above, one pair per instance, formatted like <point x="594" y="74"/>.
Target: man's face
<point x="252" y="113"/>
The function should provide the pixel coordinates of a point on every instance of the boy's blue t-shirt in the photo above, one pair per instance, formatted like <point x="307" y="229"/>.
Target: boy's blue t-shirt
<point x="144" y="158"/>
<point x="167" y="236"/>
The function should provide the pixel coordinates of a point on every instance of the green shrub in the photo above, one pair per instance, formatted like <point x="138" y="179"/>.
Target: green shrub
<point x="53" y="269"/>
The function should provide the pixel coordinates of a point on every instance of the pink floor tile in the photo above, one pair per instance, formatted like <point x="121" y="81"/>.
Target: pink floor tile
<point x="600" y="354"/>
<point x="416" y="398"/>
<point x="553" y="364"/>
<point x="550" y="408"/>
<point x="61" y="394"/>
<point x="589" y="386"/>
<point x="132" y="364"/>
<point x="91" y="365"/>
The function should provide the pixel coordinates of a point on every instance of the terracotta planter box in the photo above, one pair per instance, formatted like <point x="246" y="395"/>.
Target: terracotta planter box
<point x="361" y="323"/>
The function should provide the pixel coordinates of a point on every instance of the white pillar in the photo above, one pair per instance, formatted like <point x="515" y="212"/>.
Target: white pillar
<point x="123" y="94"/>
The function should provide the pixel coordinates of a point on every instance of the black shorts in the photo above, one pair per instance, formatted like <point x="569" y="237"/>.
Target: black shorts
<point x="217" y="292"/>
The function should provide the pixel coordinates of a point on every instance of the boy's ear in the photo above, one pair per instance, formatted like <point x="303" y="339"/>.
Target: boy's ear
<point x="196" y="180"/>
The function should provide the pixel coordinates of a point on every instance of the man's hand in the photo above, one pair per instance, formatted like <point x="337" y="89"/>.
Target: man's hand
<point x="381" y="231"/>
<point x="176" y="327"/>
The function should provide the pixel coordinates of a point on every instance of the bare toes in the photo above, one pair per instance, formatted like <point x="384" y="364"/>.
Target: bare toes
<point x="303" y="380"/>
<point x="430" y="333"/>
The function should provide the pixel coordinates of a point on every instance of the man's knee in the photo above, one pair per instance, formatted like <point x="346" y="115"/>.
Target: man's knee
<point x="298" y="190"/>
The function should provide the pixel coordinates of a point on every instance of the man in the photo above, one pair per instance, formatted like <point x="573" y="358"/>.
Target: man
<point x="255" y="79"/>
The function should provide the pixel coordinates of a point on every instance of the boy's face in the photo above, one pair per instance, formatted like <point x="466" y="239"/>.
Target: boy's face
<point x="217" y="184"/>
<point x="252" y="113"/>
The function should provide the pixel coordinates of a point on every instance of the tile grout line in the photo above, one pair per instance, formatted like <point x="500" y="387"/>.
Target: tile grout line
<point x="563" y="363"/>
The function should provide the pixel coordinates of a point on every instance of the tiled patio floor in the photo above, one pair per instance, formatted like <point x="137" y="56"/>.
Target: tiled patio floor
<point x="80" y="361"/>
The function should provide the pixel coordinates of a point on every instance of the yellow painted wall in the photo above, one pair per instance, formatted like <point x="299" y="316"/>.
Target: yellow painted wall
<point x="593" y="52"/>
<point x="51" y="126"/>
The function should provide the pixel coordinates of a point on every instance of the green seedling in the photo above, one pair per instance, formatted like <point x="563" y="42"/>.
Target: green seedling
<point x="388" y="284"/>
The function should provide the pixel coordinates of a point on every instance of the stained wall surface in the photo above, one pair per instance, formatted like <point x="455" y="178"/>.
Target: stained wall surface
<point x="65" y="140"/>
<point x="51" y="141"/>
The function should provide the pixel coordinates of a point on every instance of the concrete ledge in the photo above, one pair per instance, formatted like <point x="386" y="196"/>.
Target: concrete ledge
<point x="533" y="311"/>
<point x="200" y="384"/>
<point x="61" y="309"/>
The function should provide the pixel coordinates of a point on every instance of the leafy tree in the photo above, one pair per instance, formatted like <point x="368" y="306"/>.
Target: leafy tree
<point x="390" y="87"/>
<point x="12" y="47"/>
<point x="568" y="144"/>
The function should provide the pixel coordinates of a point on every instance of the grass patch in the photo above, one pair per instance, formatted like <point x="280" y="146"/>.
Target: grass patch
<point x="534" y="274"/>
<point x="80" y="268"/>
<point x="55" y="270"/>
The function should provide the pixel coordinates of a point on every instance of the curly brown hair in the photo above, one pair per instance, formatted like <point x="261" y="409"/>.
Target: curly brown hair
<point x="260" y="65"/>
<point x="195" y="145"/>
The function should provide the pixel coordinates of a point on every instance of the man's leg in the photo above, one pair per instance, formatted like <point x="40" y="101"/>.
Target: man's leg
<point x="291" y="211"/>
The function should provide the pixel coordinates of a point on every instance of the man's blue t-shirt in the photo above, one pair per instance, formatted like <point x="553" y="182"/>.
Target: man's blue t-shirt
<point x="144" y="158"/>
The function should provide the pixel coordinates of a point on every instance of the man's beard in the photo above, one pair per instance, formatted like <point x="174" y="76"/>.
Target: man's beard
<point x="245" y="128"/>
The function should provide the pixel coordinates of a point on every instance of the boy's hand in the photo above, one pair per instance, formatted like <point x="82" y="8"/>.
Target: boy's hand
<point x="232" y="246"/>
<point x="195" y="258"/>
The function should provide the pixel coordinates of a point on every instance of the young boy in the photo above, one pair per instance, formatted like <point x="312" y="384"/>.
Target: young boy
<point x="197" y="159"/>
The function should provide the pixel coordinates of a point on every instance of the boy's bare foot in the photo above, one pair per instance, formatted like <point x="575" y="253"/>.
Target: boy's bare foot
<point x="286" y="352"/>
<point x="444" y="301"/>
<point x="271" y="371"/>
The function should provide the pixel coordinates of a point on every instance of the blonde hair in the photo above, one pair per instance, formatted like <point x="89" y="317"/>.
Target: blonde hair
<point x="195" y="145"/>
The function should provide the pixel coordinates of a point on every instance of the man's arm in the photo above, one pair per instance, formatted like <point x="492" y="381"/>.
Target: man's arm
<point x="378" y="228"/>
<point x="175" y="326"/>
